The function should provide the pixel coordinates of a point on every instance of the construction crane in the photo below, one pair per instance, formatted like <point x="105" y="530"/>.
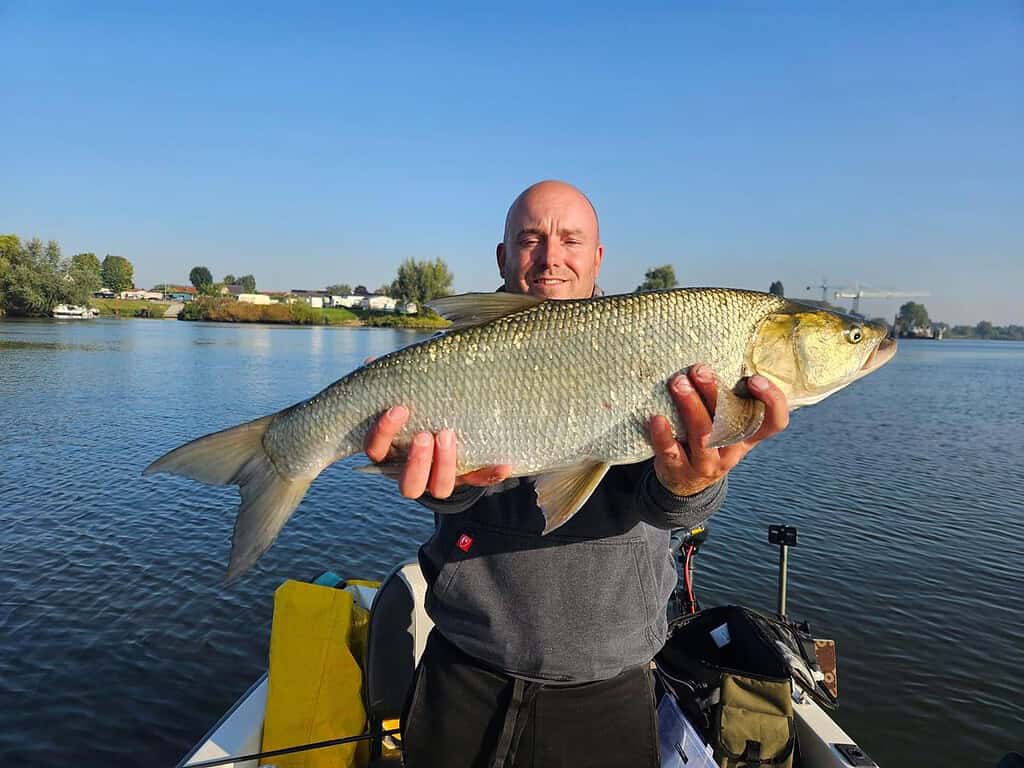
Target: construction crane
<point x="859" y="293"/>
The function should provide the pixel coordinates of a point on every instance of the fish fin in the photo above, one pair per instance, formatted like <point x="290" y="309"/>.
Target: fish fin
<point x="736" y="418"/>
<point x="391" y="469"/>
<point x="268" y="500"/>
<point x="470" y="309"/>
<point x="216" y="458"/>
<point x="562" y="492"/>
<point x="236" y="456"/>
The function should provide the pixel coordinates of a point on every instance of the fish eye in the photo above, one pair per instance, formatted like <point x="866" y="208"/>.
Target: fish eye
<point x="854" y="335"/>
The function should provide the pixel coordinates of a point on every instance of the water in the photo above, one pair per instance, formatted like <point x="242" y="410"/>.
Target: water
<point x="118" y="643"/>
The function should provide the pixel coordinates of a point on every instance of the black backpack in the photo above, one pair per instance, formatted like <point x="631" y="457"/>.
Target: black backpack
<point x="731" y="669"/>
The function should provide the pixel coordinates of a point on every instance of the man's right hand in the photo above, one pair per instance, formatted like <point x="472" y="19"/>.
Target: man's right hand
<point x="430" y="464"/>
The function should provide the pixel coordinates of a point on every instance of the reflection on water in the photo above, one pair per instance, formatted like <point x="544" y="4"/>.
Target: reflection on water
<point x="117" y="638"/>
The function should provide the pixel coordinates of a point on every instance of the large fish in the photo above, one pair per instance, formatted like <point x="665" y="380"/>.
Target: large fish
<point x="559" y="390"/>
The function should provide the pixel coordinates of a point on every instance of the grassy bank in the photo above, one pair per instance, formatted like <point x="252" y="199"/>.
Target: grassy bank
<point x="219" y="310"/>
<point x="124" y="308"/>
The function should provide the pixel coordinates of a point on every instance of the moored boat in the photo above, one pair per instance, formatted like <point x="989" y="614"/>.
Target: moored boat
<point x="73" y="312"/>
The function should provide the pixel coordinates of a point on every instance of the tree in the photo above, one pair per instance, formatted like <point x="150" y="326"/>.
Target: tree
<point x="983" y="330"/>
<point x="52" y="254"/>
<point x="384" y="290"/>
<point x="913" y="315"/>
<point x="117" y="273"/>
<point x="339" y="289"/>
<point x="30" y="284"/>
<point x="658" y="278"/>
<point x="421" y="281"/>
<point x="82" y="278"/>
<point x="229" y="279"/>
<point x="777" y="289"/>
<point x="201" y="278"/>
<point x="360" y="290"/>
<point x="248" y="283"/>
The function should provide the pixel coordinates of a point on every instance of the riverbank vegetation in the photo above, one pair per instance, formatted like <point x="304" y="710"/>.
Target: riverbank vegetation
<point x="225" y="310"/>
<point x="129" y="308"/>
<point x="35" y="278"/>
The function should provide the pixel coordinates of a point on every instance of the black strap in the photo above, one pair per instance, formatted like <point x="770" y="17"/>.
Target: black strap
<point x="514" y="724"/>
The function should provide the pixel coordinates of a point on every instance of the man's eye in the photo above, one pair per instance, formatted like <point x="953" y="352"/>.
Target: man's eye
<point x="528" y="241"/>
<point x="572" y="241"/>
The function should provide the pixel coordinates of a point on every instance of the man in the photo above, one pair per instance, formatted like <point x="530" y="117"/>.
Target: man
<point x="541" y="649"/>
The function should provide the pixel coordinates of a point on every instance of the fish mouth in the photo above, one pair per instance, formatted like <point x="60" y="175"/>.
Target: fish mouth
<point x="879" y="356"/>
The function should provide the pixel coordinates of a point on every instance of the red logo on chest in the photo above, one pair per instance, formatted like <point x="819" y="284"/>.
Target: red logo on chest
<point x="464" y="542"/>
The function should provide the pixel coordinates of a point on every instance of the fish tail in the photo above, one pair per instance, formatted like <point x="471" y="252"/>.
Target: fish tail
<point x="236" y="456"/>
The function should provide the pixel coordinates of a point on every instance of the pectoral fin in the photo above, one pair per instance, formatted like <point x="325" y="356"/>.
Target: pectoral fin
<point x="561" y="493"/>
<point x="736" y="418"/>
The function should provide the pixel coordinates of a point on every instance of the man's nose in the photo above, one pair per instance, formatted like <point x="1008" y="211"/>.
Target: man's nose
<point x="550" y="254"/>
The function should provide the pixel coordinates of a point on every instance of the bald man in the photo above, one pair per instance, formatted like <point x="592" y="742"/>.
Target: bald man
<point x="541" y="648"/>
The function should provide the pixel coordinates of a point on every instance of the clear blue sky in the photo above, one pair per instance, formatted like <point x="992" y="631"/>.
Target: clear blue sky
<point x="319" y="143"/>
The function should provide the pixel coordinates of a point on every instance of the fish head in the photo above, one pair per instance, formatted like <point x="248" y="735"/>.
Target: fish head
<point x="810" y="353"/>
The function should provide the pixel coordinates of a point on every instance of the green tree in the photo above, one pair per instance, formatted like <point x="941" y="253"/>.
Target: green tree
<point x="88" y="262"/>
<point x="339" y="289"/>
<point x="658" y="278"/>
<point x="983" y="330"/>
<point x="10" y="249"/>
<point x="913" y="315"/>
<point x="82" y="278"/>
<point x="421" y="281"/>
<point x="360" y="290"/>
<point x="30" y="284"/>
<point x="201" y="278"/>
<point x="777" y="289"/>
<point x="248" y="282"/>
<point x="384" y="290"/>
<point x="229" y="279"/>
<point x="117" y="273"/>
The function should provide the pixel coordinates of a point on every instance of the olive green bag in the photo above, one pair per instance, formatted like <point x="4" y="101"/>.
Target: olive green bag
<point x="731" y="671"/>
<point x="754" y="722"/>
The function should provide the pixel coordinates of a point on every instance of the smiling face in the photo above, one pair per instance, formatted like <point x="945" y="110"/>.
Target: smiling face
<point x="551" y="247"/>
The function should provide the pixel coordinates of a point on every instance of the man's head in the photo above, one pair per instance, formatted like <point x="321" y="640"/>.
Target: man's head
<point x="552" y="246"/>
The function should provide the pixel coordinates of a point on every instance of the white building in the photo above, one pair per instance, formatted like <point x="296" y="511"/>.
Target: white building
<point x="136" y="295"/>
<point x="409" y="308"/>
<point x="380" y="303"/>
<point x="254" y="298"/>
<point x="348" y="302"/>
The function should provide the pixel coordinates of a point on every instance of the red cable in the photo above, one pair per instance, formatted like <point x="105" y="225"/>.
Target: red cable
<point x="686" y="579"/>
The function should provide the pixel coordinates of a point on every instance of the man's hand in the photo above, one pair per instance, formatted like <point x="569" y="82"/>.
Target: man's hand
<point x="430" y="465"/>
<point x="686" y="468"/>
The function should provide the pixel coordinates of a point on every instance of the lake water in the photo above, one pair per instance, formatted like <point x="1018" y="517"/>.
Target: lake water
<point x="119" y="645"/>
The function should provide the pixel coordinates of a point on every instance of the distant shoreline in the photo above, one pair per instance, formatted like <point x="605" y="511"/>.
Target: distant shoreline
<point x="232" y="312"/>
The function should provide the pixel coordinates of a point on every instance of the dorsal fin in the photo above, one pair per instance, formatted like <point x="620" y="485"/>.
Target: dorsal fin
<point x="469" y="309"/>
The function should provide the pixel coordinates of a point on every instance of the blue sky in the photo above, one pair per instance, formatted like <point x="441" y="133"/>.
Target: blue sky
<point x="319" y="143"/>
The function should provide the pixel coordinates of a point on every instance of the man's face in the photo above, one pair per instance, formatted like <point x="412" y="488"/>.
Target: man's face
<point x="551" y="246"/>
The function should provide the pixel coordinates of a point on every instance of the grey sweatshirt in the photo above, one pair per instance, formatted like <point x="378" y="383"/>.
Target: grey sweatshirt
<point x="581" y="604"/>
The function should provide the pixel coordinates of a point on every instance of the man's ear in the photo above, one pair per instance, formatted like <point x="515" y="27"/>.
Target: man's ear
<point x="600" y="258"/>
<point x="500" y="253"/>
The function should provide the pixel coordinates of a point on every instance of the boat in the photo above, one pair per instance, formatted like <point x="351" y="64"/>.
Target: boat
<point x="73" y="312"/>
<point x="397" y="631"/>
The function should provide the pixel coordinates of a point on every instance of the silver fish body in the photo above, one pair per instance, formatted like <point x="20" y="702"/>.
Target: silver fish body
<point x="556" y="389"/>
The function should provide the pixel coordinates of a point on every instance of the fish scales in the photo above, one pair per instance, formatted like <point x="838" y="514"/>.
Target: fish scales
<point x="546" y="387"/>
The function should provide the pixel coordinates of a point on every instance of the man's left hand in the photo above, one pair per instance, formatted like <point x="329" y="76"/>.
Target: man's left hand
<point x="688" y="467"/>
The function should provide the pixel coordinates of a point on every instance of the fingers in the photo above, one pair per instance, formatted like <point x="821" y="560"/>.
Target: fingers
<point x="696" y="421"/>
<point x="487" y="475"/>
<point x="442" y="473"/>
<point x="704" y="381"/>
<point x="776" y="415"/>
<point x="665" y="445"/>
<point x="776" y="419"/>
<point x="380" y="436"/>
<point x="416" y="472"/>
